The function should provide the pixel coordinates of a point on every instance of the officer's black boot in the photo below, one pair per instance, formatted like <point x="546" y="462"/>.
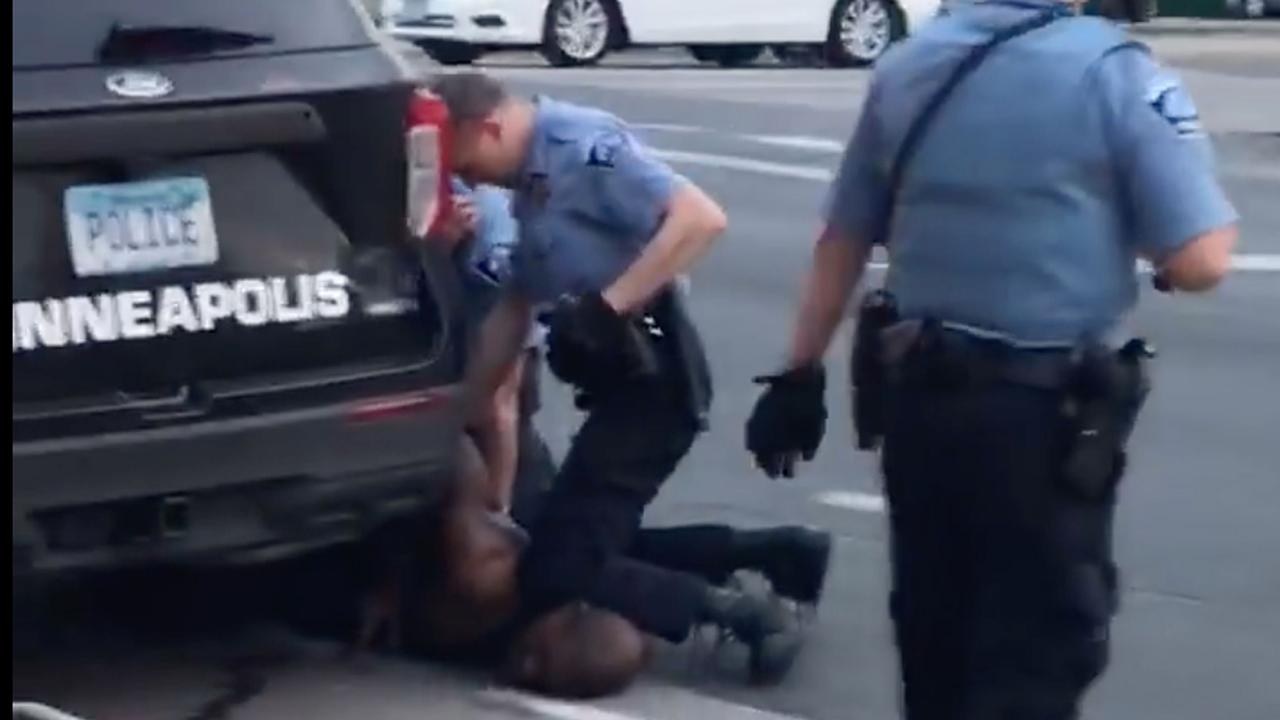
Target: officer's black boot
<point x="794" y="559"/>
<point x="770" y="631"/>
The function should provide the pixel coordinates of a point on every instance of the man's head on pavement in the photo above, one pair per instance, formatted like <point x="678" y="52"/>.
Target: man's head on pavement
<point x="577" y="652"/>
<point x="491" y="127"/>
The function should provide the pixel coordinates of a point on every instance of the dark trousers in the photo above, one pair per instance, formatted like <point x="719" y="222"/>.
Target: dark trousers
<point x="584" y="533"/>
<point x="1003" y="585"/>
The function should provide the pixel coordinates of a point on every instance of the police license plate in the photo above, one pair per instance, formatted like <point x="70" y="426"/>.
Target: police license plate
<point x="140" y="226"/>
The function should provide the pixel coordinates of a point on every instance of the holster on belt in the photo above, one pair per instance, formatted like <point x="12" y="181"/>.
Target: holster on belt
<point x="597" y="360"/>
<point x="1102" y="403"/>
<point x="869" y="384"/>
<point x="680" y="351"/>
<point x="669" y="350"/>
<point x="1101" y="390"/>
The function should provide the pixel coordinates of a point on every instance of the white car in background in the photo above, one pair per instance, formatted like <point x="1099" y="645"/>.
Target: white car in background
<point x="728" y="32"/>
<point x="1253" y="8"/>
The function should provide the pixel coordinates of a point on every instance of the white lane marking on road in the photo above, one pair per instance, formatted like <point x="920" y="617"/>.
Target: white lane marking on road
<point x="799" y="142"/>
<point x="38" y="711"/>
<point x="669" y="127"/>
<point x="1263" y="262"/>
<point x="1256" y="262"/>
<point x="733" y="162"/>
<point x="851" y="500"/>
<point x="1248" y="262"/>
<point x="654" y="702"/>
<point x="553" y="709"/>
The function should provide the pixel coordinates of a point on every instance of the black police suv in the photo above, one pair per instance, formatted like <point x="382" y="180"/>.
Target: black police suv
<point x="229" y="341"/>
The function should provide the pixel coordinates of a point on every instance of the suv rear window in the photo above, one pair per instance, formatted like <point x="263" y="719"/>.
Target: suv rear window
<point x="73" y="33"/>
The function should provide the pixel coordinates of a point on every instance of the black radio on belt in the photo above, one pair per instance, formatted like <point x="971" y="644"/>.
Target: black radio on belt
<point x="659" y="344"/>
<point x="879" y="310"/>
<point x="596" y="350"/>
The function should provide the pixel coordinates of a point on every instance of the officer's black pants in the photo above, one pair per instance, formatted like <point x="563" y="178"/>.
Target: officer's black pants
<point x="1003" y="586"/>
<point x="629" y="444"/>
<point x="702" y="550"/>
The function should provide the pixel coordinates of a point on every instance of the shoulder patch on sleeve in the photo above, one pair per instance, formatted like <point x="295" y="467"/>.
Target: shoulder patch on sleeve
<point x="490" y="270"/>
<point x="604" y="150"/>
<point x="1169" y="99"/>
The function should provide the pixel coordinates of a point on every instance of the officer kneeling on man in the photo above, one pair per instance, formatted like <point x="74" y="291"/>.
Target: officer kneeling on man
<point x="1015" y="160"/>
<point x="605" y="231"/>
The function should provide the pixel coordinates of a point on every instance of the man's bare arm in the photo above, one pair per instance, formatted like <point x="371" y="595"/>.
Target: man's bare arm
<point x="838" y="264"/>
<point x="502" y="337"/>
<point x="692" y="221"/>
<point x="497" y="435"/>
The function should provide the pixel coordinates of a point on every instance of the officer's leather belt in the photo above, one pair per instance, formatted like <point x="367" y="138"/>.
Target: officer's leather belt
<point x="925" y="352"/>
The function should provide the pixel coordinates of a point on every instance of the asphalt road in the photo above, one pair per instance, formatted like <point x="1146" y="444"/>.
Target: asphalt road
<point x="1199" y="633"/>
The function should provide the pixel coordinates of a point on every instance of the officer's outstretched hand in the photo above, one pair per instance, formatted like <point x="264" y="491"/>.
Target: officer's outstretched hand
<point x="789" y="420"/>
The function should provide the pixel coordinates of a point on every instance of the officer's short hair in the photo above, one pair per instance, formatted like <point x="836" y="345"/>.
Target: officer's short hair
<point x="469" y="96"/>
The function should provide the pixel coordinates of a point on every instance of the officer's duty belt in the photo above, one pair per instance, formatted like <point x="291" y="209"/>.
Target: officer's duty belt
<point x="925" y="352"/>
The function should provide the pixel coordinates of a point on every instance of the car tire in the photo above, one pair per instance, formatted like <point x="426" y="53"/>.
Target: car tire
<point x="705" y="53"/>
<point x="732" y="56"/>
<point x="1247" y="9"/>
<point x="798" y="55"/>
<point x="727" y="55"/>
<point x="449" y="53"/>
<point x="1129" y="11"/>
<point x="579" y="32"/>
<point x="861" y="31"/>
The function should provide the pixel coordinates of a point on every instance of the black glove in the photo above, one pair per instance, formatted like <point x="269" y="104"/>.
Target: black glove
<point x="1160" y="282"/>
<point x="789" y="419"/>
<point x="590" y="346"/>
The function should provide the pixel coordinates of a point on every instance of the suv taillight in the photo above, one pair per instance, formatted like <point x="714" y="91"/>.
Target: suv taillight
<point x="427" y="161"/>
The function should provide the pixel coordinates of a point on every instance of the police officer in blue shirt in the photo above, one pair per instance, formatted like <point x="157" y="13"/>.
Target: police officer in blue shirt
<point x="992" y="371"/>
<point x="605" y="231"/>
<point x="504" y="454"/>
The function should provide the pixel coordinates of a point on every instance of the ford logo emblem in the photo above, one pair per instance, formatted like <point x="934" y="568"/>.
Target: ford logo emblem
<point x="139" y="84"/>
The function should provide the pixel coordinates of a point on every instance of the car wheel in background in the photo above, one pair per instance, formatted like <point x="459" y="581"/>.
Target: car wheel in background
<point x="705" y="53"/>
<point x="798" y="55"/>
<point x="1247" y="8"/>
<point x="578" y="32"/>
<point x="739" y="55"/>
<point x="1129" y="11"/>
<point x="861" y="31"/>
<point x="450" y="53"/>
<point x="727" y="55"/>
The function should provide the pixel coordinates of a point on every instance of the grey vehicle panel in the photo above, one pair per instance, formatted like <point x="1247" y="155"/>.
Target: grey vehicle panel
<point x="256" y="441"/>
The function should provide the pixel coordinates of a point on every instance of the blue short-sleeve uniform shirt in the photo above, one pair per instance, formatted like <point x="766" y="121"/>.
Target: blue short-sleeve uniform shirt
<point x="485" y="261"/>
<point x="485" y="258"/>
<point x="588" y="198"/>
<point x="1066" y="155"/>
<point x="1162" y="153"/>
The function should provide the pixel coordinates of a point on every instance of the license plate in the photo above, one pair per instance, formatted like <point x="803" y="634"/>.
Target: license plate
<point x="140" y="226"/>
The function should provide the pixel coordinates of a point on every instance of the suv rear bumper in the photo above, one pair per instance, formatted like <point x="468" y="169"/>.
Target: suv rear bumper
<point x="248" y="489"/>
